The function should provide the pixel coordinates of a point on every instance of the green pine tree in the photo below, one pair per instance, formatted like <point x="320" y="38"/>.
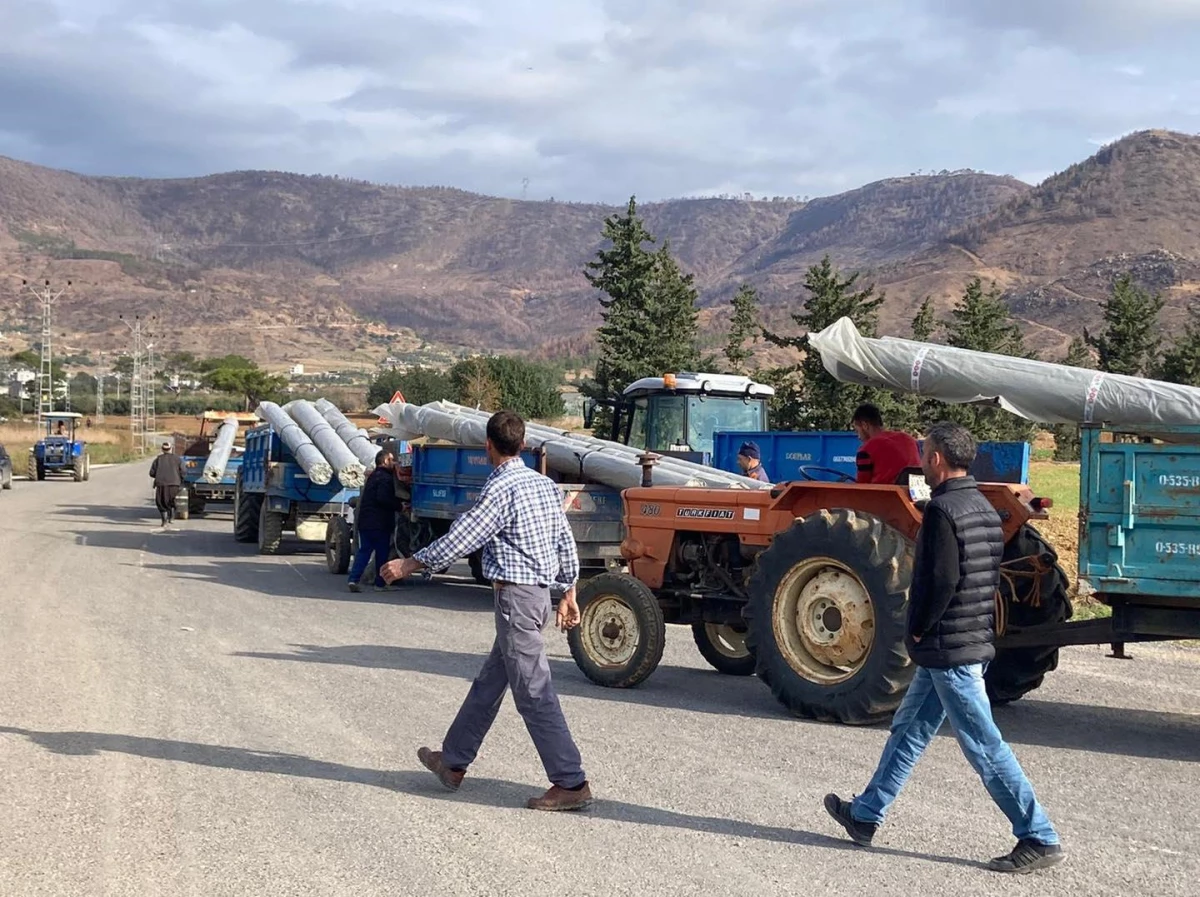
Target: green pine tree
<point x="672" y="318"/>
<point x="1066" y="436"/>
<point x="1129" y="343"/>
<point x="925" y="324"/>
<point x="1181" y="363"/>
<point x="982" y="322"/>
<point x="807" y="396"/>
<point x="743" y="329"/>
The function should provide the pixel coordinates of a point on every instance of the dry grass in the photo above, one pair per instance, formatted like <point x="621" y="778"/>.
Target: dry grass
<point x="106" y="445"/>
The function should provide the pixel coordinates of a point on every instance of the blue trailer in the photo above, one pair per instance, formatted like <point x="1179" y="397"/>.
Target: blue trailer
<point x="438" y="483"/>
<point x="59" y="451"/>
<point x="273" y="495"/>
<point x="193" y="451"/>
<point x="825" y="455"/>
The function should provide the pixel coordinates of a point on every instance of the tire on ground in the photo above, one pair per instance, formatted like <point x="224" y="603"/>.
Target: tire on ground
<point x="846" y="575"/>
<point x="337" y="546"/>
<point x="724" y="648"/>
<point x="1017" y="671"/>
<point x="246" y="507"/>
<point x="270" y="530"/>
<point x="619" y="640"/>
<point x="475" y="562"/>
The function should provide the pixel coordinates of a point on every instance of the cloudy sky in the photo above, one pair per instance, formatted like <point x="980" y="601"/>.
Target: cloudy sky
<point x="591" y="99"/>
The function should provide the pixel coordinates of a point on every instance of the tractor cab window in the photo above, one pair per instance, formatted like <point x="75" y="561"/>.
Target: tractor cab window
<point x="711" y="414"/>
<point x="638" y="414"/>
<point x="665" y="424"/>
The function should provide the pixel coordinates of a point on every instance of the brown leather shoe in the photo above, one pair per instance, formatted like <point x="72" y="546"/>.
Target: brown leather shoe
<point x="432" y="760"/>
<point x="561" y="799"/>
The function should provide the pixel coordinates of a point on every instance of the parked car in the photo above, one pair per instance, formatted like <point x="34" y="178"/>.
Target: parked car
<point x="6" y="469"/>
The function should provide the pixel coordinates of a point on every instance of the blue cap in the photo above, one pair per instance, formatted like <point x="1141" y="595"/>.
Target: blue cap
<point x="750" y="450"/>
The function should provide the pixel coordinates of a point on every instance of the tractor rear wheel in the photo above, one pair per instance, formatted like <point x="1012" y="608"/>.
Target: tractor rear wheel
<point x="77" y="471"/>
<point x="724" y="648"/>
<point x="619" y="640"/>
<point x="246" y="507"/>
<point x="270" y="530"/>
<point x="337" y="546"/>
<point x="827" y="616"/>
<point x="1031" y="597"/>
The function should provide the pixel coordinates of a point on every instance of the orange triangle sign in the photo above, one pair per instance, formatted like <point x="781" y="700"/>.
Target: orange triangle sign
<point x="397" y="397"/>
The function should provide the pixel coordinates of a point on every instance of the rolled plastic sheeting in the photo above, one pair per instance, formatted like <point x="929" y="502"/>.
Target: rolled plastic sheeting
<point x="310" y="459"/>
<point x="1036" y="390"/>
<point x="349" y="470"/>
<point x="357" y="440"/>
<point x="222" y="448"/>
<point x="571" y="455"/>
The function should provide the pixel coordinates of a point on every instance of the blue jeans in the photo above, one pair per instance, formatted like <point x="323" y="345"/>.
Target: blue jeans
<point x="377" y="542"/>
<point x="959" y="694"/>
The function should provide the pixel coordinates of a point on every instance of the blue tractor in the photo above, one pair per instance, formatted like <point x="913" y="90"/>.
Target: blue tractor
<point x="59" y="452"/>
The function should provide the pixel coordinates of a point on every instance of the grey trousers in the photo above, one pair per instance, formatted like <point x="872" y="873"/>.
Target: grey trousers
<point x="517" y="661"/>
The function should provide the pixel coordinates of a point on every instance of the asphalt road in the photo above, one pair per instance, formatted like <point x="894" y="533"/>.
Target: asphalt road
<point x="179" y="715"/>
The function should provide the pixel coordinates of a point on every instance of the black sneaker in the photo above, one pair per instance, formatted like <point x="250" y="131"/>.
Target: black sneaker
<point x="860" y="833"/>
<point x="354" y="587"/>
<point x="1028" y="856"/>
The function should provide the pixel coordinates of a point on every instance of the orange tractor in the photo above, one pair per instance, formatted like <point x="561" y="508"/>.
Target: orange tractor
<point x="805" y="584"/>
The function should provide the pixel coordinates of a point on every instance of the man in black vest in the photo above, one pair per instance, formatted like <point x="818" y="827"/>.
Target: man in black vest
<point x="956" y="571"/>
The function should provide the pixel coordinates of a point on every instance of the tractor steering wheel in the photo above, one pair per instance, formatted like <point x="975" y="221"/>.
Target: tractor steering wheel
<point x="809" y="469"/>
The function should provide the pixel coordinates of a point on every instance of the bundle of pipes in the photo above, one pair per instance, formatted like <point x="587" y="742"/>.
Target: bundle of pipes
<point x="357" y="439"/>
<point x="307" y="455"/>
<point x="222" y="447"/>
<point x="1036" y="390"/>
<point x="576" y="456"/>
<point x="351" y="472"/>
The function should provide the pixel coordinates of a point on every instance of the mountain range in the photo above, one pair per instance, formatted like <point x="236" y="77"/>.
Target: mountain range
<point x="294" y="268"/>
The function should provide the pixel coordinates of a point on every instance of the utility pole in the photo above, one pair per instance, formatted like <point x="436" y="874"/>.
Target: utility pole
<point x="148" y="386"/>
<point x="46" y="375"/>
<point x="100" y="392"/>
<point x="137" y="390"/>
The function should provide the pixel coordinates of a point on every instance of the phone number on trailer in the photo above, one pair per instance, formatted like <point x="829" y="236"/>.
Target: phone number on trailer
<point x="1186" y="482"/>
<point x="1171" y="548"/>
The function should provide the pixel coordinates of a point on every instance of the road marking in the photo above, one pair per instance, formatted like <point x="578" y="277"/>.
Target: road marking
<point x="296" y="570"/>
<point x="81" y="540"/>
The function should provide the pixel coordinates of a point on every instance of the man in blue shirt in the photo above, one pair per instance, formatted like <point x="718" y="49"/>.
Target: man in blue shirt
<point x="528" y="547"/>
<point x="377" y="507"/>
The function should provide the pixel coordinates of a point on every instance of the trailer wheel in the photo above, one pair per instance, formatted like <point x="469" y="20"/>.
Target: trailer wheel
<point x="246" y="508"/>
<point x="1030" y="599"/>
<point x="195" y="502"/>
<point x="724" y="648"/>
<point x="827" y="617"/>
<point x="270" y="530"/>
<point x="337" y="546"/>
<point x="619" y="640"/>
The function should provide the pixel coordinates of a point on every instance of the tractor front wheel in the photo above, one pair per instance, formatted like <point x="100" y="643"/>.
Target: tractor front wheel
<point x="827" y="617"/>
<point x="724" y="648"/>
<point x="619" y="640"/>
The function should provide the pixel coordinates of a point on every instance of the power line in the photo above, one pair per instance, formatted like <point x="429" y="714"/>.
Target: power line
<point x="46" y="371"/>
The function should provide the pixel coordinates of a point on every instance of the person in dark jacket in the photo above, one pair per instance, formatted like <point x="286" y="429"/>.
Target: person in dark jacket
<point x="167" y="472"/>
<point x="376" y="516"/>
<point x="956" y="572"/>
<point x="749" y="459"/>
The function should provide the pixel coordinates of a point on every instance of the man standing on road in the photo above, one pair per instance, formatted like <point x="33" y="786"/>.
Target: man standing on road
<point x="749" y="459"/>
<point x="527" y="545"/>
<point x="951" y="609"/>
<point x="884" y="454"/>
<point x="376" y="520"/>
<point x="167" y="472"/>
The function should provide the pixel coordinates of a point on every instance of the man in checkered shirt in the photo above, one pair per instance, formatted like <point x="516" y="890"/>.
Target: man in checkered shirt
<point x="528" y="547"/>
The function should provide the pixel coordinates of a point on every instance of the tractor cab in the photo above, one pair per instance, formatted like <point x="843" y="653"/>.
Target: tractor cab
<point x="58" y="451"/>
<point x="677" y="414"/>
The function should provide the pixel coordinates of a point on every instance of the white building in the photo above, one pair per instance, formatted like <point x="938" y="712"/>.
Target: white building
<point x="297" y="370"/>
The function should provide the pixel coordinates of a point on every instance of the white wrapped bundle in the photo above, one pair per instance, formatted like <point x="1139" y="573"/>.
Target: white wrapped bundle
<point x="358" y="441"/>
<point x="222" y="448"/>
<point x="307" y="455"/>
<point x="350" y="471"/>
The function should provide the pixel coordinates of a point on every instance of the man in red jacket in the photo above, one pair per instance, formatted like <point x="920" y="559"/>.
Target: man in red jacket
<point x="884" y="453"/>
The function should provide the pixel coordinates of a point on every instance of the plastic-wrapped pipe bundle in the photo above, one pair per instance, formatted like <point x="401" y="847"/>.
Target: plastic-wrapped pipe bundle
<point x="1036" y="390"/>
<point x="222" y="448"/>
<point x="350" y="471"/>
<point x="362" y="447"/>
<point x="310" y="459"/>
<point x="571" y="455"/>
